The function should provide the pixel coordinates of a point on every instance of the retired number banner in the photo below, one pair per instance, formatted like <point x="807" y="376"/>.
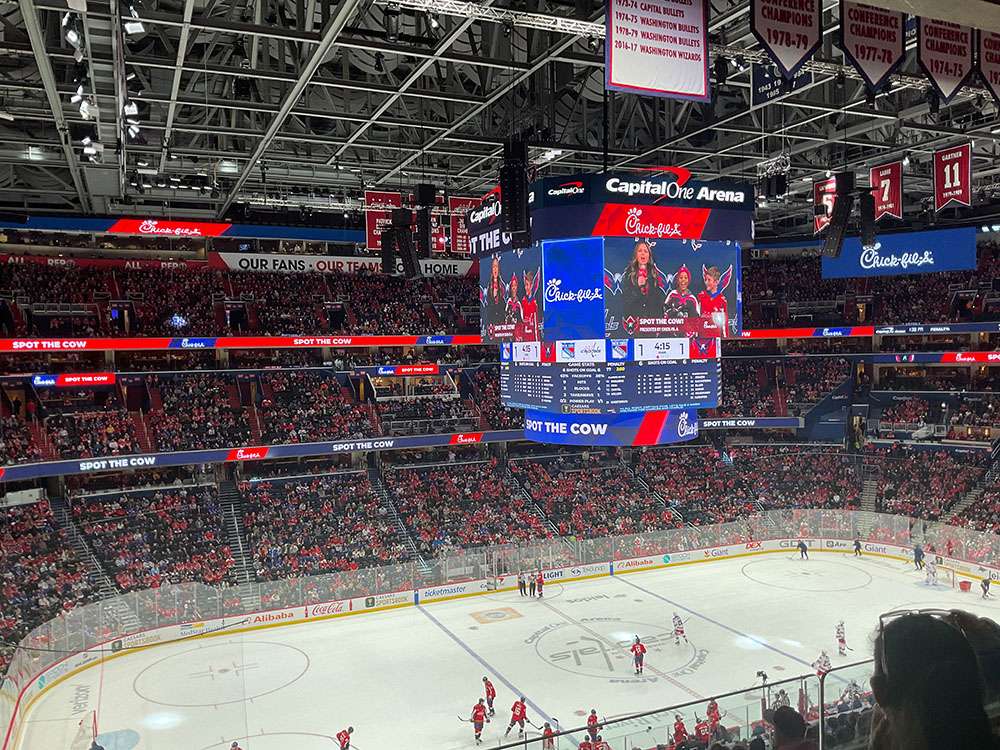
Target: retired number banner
<point x="658" y="49"/>
<point x="789" y="30"/>
<point x="458" y="207"/>
<point x="873" y="39"/>
<point x="944" y="51"/>
<point x="953" y="176"/>
<point x="378" y="214"/>
<point x="824" y="195"/>
<point x="887" y="188"/>
<point x="988" y="61"/>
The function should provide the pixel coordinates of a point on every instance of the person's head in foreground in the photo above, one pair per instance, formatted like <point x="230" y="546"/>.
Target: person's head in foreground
<point x="790" y="730"/>
<point x="927" y="684"/>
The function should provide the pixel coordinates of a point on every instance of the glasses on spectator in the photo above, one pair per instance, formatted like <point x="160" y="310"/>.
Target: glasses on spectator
<point x="945" y="615"/>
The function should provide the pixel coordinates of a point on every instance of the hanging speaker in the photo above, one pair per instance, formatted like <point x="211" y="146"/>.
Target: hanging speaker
<point x="837" y="230"/>
<point x="423" y="233"/>
<point x="407" y="253"/>
<point x="425" y="194"/>
<point x="402" y="218"/>
<point x="387" y="244"/>
<point x="867" y="210"/>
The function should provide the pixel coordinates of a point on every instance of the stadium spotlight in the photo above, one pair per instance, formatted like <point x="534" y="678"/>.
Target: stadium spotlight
<point x="721" y="71"/>
<point x="593" y="43"/>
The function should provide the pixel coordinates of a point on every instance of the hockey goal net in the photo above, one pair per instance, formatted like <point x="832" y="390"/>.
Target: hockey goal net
<point x="86" y="732"/>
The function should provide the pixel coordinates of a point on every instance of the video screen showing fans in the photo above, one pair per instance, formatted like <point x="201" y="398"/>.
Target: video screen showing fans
<point x="509" y="286"/>
<point x="657" y="288"/>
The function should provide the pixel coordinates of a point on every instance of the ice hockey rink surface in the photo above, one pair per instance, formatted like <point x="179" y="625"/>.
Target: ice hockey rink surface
<point x="403" y="677"/>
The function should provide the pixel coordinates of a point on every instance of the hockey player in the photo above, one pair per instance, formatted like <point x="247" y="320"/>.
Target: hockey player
<point x="679" y="629"/>
<point x="841" y="639"/>
<point x="592" y="725"/>
<point x="600" y="744"/>
<point x="518" y="715"/>
<point x="680" y="731"/>
<point x="781" y="699"/>
<point x="918" y="557"/>
<point x="857" y="548"/>
<point x="638" y="654"/>
<point x="586" y="744"/>
<point x="702" y="730"/>
<point x="344" y="738"/>
<point x="540" y="580"/>
<point x="822" y="665"/>
<point x="491" y="694"/>
<point x="478" y="720"/>
<point x="548" y="737"/>
<point x="714" y="716"/>
<point x="985" y="586"/>
<point x="803" y="550"/>
<point x="234" y="746"/>
<point x="932" y="576"/>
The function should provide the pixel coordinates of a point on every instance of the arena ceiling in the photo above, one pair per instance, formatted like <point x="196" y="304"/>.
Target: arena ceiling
<point x="200" y="105"/>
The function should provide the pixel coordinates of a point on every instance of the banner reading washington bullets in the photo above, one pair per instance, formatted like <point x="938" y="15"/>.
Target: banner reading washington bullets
<point x="988" y="61"/>
<point x="944" y="51"/>
<point x="953" y="176"/>
<point x="824" y="196"/>
<point x="378" y="215"/>
<point x="873" y="39"/>
<point x="658" y="49"/>
<point x="647" y="428"/>
<point x="887" y="189"/>
<point x="790" y="31"/>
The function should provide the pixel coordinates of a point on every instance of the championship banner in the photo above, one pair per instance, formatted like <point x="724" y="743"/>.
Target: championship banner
<point x="378" y="215"/>
<point x="905" y="253"/>
<point x="887" y="189"/>
<point x="458" y="208"/>
<point x="648" y="428"/>
<point x="953" y="176"/>
<point x="988" y="61"/>
<point x="658" y="49"/>
<point x="944" y="51"/>
<point x="824" y="195"/>
<point x="790" y="31"/>
<point x="766" y="87"/>
<point x="873" y="39"/>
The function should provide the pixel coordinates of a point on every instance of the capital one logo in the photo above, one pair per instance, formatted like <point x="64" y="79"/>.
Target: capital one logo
<point x="490" y="211"/>
<point x="567" y="188"/>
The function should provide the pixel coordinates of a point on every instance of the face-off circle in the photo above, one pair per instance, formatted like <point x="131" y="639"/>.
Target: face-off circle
<point x="807" y="575"/>
<point x="221" y="673"/>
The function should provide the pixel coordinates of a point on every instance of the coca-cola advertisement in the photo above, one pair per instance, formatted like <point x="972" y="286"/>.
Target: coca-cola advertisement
<point x="887" y="189"/>
<point x="953" y="176"/>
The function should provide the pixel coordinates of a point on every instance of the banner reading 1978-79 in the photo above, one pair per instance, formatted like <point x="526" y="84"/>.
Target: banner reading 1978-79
<point x="658" y="49"/>
<point x="789" y="30"/>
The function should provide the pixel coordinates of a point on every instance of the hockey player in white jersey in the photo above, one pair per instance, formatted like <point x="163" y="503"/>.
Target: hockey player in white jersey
<point x="841" y="639"/>
<point x="679" y="629"/>
<point x="932" y="574"/>
<point x="822" y="665"/>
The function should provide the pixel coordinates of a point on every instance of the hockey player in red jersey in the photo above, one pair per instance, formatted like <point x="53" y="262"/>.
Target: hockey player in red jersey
<point x="592" y="725"/>
<point x="548" y="737"/>
<point x="586" y="745"/>
<point x="638" y="654"/>
<point x="344" y="738"/>
<point x="680" y="731"/>
<point x="714" y="716"/>
<point x="822" y="665"/>
<point x="600" y="744"/>
<point x="478" y="719"/>
<point x="491" y="694"/>
<point x="702" y="731"/>
<point x="518" y="715"/>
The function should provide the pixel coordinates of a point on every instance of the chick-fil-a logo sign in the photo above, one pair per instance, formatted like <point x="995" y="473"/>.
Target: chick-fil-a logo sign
<point x="635" y="226"/>
<point x="158" y="227"/>
<point x="554" y="293"/>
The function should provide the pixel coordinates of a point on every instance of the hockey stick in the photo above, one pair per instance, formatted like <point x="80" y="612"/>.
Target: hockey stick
<point x="532" y="723"/>
<point x="464" y="721"/>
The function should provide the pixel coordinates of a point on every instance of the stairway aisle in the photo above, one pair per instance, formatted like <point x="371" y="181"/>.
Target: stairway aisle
<point x="233" y="510"/>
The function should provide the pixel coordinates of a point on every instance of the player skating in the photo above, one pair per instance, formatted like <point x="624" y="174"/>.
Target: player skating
<point x="841" y="639"/>
<point x="985" y="586"/>
<point x="803" y="550"/>
<point x="548" y="737"/>
<point x="491" y="694"/>
<point x="478" y="719"/>
<point x="857" y="548"/>
<point x="344" y="738"/>
<point x="592" y="724"/>
<point x="679" y="629"/>
<point x="518" y="715"/>
<point x="822" y="665"/>
<point x="931" y="572"/>
<point x="540" y="580"/>
<point x="638" y="654"/>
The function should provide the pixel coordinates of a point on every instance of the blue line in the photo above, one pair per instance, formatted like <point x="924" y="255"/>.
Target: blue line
<point x="722" y="625"/>
<point x="489" y="668"/>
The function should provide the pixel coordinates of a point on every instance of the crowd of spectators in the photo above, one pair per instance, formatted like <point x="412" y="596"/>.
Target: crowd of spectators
<point x="462" y="505"/>
<point x="924" y="483"/>
<point x="40" y="576"/>
<point x="283" y="304"/>
<point x="809" y="379"/>
<point x="912" y="411"/>
<point x="424" y="415"/>
<point x="146" y="539"/>
<point x="747" y="389"/>
<point x="197" y="414"/>
<point x="305" y="406"/>
<point x="17" y="444"/>
<point x="309" y="525"/>
<point x="90" y="434"/>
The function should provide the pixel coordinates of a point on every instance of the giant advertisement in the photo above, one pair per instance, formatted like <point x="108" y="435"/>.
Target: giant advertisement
<point x="905" y="253"/>
<point x="658" y="288"/>
<point x="333" y="264"/>
<point x="573" y="296"/>
<point x="508" y="293"/>
<point x="658" y="49"/>
<point x="650" y="428"/>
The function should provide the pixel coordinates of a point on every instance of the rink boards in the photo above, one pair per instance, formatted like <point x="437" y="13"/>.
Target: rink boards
<point x="72" y="665"/>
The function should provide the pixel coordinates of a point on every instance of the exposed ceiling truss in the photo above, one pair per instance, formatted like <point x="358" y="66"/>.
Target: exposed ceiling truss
<point x="285" y="98"/>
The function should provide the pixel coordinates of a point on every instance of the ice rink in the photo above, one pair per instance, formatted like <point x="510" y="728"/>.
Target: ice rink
<point x="402" y="677"/>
